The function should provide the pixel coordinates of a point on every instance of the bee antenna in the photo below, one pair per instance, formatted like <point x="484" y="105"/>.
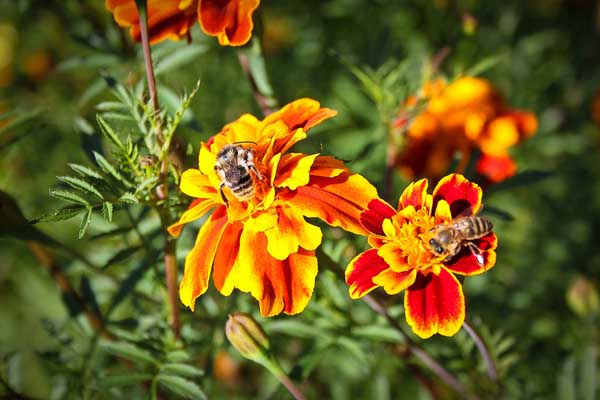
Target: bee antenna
<point x="245" y="141"/>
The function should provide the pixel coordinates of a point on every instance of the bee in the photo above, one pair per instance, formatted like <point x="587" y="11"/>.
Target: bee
<point x="233" y="166"/>
<point x="448" y="239"/>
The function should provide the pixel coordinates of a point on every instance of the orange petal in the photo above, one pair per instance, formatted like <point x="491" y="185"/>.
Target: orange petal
<point x="197" y="209"/>
<point x="327" y="166"/>
<point x="196" y="184"/>
<point x="302" y="113"/>
<point x="394" y="256"/>
<point x="294" y="169"/>
<point x="372" y="218"/>
<point x="496" y="168"/>
<point x="414" y="195"/>
<point x="361" y="271"/>
<point x="338" y="201"/>
<point x="226" y="258"/>
<point x="291" y="233"/>
<point x="462" y="195"/>
<point x="285" y="285"/>
<point x="435" y="304"/>
<point x="229" y="20"/>
<point x="199" y="261"/>
<point x="395" y="282"/>
<point x="465" y="263"/>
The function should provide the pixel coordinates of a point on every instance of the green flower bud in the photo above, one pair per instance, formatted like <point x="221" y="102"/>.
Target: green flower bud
<point x="248" y="338"/>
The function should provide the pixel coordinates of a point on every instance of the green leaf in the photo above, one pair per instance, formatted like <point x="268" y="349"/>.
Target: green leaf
<point x="80" y="184"/>
<point x="566" y="381"/>
<point x="122" y="255"/>
<point x="128" y="351"/>
<point x="177" y="356"/>
<point x="181" y="386"/>
<point x="64" y="213"/>
<point x="88" y="294"/>
<point x="378" y="333"/>
<point x="483" y="65"/>
<point x="85" y="222"/>
<point x="588" y="369"/>
<point x="109" y="169"/>
<point x="180" y="369"/>
<point x="524" y="178"/>
<point x="297" y="329"/>
<point x="128" y="197"/>
<point x="113" y="232"/>
<point x="124" y="379"/>
<point x="107" y="211"/>
<point x="111" y="106"/>
<point x="129" y="283"/>
<point x="68" y="196"/>
<point x="85" y="171"/>
<point x="109" y="133"/>
<point x="183" y="55"/>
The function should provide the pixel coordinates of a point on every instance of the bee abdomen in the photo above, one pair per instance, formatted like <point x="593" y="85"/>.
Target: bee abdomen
<point x="480" y="226"/>
<point x="244" y="189"/>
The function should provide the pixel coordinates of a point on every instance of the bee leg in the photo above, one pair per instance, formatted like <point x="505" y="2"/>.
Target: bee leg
<point x="223" y="193"/>
<point x="253" y="168"/>
<point x="476" y="251"/>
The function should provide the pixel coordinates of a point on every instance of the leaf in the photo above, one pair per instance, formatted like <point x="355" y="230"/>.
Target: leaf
<point x="109" y="133"/>
<point x="85" y="171"/>
<point x="88" y="294"/>
<point x="177" y="356"/>
<point x="181" y="386"/>
<point x="128" y="284"/>
<point x="111" y="106"/>
<point x="64" y="213"/>
<point x="297" y="329"/>
<point x="128" y="197"/>
<point x="183" y="55"/>
<point x="483" y="65"/>
<point x="107" y="211"/>
<point x="566" y="381"/>
<point x="109" y="169"/>
<point x="80" y="184"/>
<point x="378" y="333"/>
<point x="128" y="351"/>
<point x="85" y="222"/>
<point x="122" y="255"/>
<point x="180" y="369"/>
<point x="524" y="178"/>
<point x="124" y="379"/>
<point x="68" y="196"/>
<point x="588" y="369"/>
<point x="113" y="232"/>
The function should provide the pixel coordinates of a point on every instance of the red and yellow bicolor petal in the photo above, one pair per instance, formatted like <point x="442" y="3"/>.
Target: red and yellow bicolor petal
<point x="465" y="263"/>
<point x="303" y="113"/>
<point x="294" y="170"/>
<point x="198" y="263"/>
<point x="167" y="19"/>
<point x="372" y="218"/>
<point x="197" y="209"/>
<point x="394" y="282"/>
<point x="361" y="271"/>
<point x="462" y="195"/>
<point x="279" y="285"/>
<point x="435" y="304"/>
<point x="338" y="201"/>
<point x="229" y="20"/>
<point x="415" y="195"/>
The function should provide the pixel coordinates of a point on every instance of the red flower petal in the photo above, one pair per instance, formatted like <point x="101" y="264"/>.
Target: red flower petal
<point x="435" y="304"/>
<point x="465" y="263"/>
<point x="226" y="257"/>
<point x="198" y="262"/>
<point x="414" y="195"/>
<point x="377" y="211"/>
<point x="462" y="195"/>
<point x="360" y="273"/>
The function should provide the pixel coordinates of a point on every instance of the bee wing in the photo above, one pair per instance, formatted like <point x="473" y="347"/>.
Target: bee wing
<point x="461" y="224"/>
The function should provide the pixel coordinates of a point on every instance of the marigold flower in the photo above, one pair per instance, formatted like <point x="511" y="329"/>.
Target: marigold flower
<point x="401" y="257"/>
<point x="264" y="245"/>
<point x="465" y="115"/>
<point x="229" y="20"/>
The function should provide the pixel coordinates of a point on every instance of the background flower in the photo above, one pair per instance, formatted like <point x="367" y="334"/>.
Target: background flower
<point x="465" y="115"/>
<point x="400" y="257"/>
<point x="264" y="245"/>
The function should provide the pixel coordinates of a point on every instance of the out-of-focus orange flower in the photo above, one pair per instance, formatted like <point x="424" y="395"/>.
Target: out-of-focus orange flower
<point x="402" y="257"/>
<point x="262" y="243"/>
<point x="229" y="20"/>
<point x="466" y="114"/>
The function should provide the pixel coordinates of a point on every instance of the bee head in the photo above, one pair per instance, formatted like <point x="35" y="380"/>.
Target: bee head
<point x="435" y="246"/>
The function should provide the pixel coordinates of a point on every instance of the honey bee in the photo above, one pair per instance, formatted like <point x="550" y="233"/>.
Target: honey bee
<point x="233" y="166"/>
<point x="448" y="239"/>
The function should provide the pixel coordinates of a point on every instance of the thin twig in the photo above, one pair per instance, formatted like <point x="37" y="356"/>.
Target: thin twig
<point x="483" y="350"/>
<point x="290" y="386"/>
<point x="162" y="190"/>
<point x="263" y="92"/>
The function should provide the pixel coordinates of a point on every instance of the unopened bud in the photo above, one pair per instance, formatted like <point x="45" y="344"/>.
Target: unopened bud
<point x="469" y="24"/>
<point x="582" y="297"/>
<point x="248" y="338"/>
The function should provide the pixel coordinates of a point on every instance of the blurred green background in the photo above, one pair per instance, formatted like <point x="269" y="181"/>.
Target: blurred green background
<point x="53" y="56"/>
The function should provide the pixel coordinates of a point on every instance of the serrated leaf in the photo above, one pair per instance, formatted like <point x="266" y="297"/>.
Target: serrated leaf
<point x="80" y="184"/>
<point x="180" y="369"/>
<point x="177" y="356"/>
<point x="181" y="386"/>
<point x="352" y="347"/>
<point x="88" y="294"/>
<point x="128" y="351"/>
<point x="109" y="133"/>
<point x="124" y="379"/>
<point x="177" y="59"/>
<point x="85" y="222"/>
<point x="483" y="65"/>
<point x="128" y="197"/>
<point x="129" y="283"/>
<point x="85" y="171"/>
<point x="61" y="215"/>
<point x="68" y="196"/>
<point x="122" y="255"/>
<point x="297" y="329"/>
<point x="107" y="211"/>
<point x="111" y="106"/>
<point x="109" y="169"/>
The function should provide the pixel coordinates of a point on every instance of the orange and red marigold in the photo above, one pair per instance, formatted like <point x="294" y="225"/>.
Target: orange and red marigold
<point x="264" y="245"/>
<point x="401" y="259"/>
<point x="229" y="20"/>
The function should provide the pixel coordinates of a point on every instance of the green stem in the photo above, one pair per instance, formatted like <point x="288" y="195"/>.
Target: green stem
<point x="285" y="380"/>
<point x="483" y="350"/>
<point x="253" y="65"/>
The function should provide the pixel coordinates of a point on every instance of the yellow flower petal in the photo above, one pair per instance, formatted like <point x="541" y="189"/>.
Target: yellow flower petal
<point x="294" y="170"/>
<point x="290" y="233"/>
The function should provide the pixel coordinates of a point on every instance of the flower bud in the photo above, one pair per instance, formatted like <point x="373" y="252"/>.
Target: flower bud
<point x="582" y="297"/>
<point x="248" y="338"/>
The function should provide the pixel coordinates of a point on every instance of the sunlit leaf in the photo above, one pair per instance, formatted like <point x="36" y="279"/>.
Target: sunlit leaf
<point x="181" y="386"/>
<point x="85" y="222"/>
<point x="181" y="369"/>
<point x="68" y="196"/>
<point x="80" y="184"/>
<point x="107" y="211"/>
<point x="85" y="171"/>
<point x="127" y="351"/>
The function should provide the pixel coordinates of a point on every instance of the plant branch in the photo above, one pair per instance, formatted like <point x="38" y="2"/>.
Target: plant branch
<point x="483" y="350"/>
<point x="253" y="65"/>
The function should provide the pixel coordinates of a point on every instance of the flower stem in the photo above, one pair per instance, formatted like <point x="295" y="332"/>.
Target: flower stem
<point x="483" y="350"/>
<point x="285" y="380"/>
<point x="162" y="189"/>
<point x="390" y="164"/>
<point x="253" y="65"/>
